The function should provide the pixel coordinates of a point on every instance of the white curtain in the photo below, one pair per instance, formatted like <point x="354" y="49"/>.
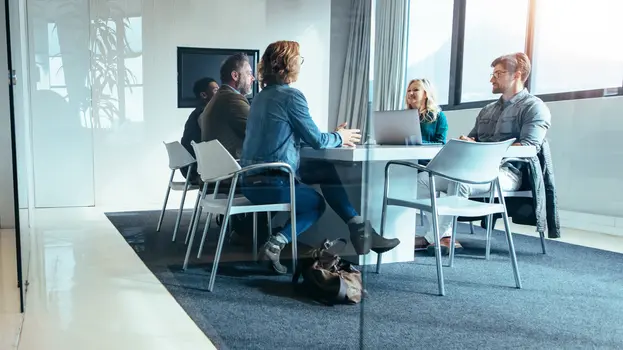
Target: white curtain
<point x="354" y="96"/>
<point x="390" y="54"/>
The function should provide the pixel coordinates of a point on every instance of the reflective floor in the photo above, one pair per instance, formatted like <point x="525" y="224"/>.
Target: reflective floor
<point x="88" y="289"/>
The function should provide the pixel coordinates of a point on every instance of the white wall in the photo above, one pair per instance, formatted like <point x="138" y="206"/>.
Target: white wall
<point x="7" y="211"/>
<point x="587" y="153"/>
<point x="121" y="161"/>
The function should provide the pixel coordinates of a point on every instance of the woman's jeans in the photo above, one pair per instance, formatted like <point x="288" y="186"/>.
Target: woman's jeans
<point x="310" y="205"/>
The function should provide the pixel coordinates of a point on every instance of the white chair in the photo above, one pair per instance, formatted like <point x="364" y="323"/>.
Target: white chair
<point x="178" y="158"/>
<point x="461" y="161"/>
<point x="215" y="164"/>
<point x="507" y="194"/>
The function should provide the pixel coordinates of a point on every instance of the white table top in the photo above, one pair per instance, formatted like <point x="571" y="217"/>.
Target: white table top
<point x="386" y="153"/>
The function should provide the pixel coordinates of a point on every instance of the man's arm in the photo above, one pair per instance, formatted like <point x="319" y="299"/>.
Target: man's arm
<point x="304" y="125"/>
<point x="534" y="124"/>
<point x="239" y="112"/>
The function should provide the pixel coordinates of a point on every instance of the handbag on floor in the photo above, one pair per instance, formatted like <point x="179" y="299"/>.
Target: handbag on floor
<point x="328" y="279"/>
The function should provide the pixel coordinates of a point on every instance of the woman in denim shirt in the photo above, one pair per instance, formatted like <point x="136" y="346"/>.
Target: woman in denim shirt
<point x="278" y="123"/>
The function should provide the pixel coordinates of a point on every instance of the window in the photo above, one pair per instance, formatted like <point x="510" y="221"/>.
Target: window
<point x="576" y="47"/>
<point x="430" y="44"/>
<point x="492" y="28"/>
<point x="582" y="50"/>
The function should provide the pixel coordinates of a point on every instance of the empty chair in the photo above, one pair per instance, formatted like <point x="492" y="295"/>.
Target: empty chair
<point x="215" y="164"/>
<point x="178" y="158"/>
<point x="461" y="161"/>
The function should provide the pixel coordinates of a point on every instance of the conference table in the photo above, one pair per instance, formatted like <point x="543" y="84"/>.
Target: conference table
<point x="362" y="171"/>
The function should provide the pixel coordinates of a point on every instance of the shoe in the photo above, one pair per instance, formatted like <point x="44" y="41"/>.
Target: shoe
<point x="364" y="238"/>
<point x="444" y="245"/>
<point x="420" y="243"/>
<point x="270" y="254"/>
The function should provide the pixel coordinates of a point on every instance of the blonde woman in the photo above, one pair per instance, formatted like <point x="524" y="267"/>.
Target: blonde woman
<point x="279" y="121"/>
<point x="433" y="123"/>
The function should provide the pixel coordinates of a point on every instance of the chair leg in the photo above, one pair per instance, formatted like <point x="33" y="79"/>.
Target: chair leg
<point x="471" y="227"/>
<point x="166" y="199"/>
<point x="255" y="236"/>
<point x="217" y="255"/>
<point x="190" y="240"/>
<point x="270" y="222"/>
<point x="440" y="282"/>
<point x="196" y="223"/>
<point x="489" y="221"/>
<point x="511" y="250"/>
<point x="180" y="212"/>
<point x="204" y="235"/>
<point x="382" y="233"/>
<point x="294" y="240"/>
<point x="192" y="218"/>
<point x="452" y="241"/>
<point x="542" y="234"/>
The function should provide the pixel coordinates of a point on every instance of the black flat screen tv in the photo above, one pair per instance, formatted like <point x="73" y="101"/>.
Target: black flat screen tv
<point x="195" y="63"/>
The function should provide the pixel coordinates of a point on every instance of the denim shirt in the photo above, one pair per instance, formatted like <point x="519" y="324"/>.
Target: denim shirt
<point x="278" y="122"/>
<point x="524" y="117"/>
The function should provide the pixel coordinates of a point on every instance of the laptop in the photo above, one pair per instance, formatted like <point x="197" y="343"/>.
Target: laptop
<point x="396" y="128"/>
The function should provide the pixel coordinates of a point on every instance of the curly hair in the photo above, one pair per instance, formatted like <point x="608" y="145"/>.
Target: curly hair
<point x="279" y="63"/>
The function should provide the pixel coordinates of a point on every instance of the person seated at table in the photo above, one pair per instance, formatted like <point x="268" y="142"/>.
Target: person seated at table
<point x="278" y="122"/>
<point x="422" y="97"/>
<point x="516" y="114"/>
<point x="225" y="117"/>
<point x="204" y="89"/>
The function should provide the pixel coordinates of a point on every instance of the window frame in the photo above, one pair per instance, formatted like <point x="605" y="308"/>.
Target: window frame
<point x="456" y="65"/>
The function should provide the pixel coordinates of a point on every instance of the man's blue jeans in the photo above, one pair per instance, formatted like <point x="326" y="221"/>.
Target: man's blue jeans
<point x="310" y="205"/>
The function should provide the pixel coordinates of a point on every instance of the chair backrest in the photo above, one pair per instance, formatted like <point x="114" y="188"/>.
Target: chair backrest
<point x="179" y="157"/>
<point x="213" y="160"/>
<point x="471" y="162"/>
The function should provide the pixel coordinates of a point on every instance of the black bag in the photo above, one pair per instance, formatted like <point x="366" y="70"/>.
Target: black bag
<point x="328" y="279"/>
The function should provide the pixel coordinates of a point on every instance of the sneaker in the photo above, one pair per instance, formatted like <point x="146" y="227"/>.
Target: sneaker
<point x="364" y="238"/>
<point x="270" y="253"/>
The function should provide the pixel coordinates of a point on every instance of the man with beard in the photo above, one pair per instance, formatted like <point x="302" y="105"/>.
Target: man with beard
<point x="225" y="116"/>
<point x="517" y="114"/>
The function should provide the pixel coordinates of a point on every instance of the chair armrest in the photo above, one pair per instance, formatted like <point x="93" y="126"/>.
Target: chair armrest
<point x="521" y="160"/>
<point x="287" y="167"/>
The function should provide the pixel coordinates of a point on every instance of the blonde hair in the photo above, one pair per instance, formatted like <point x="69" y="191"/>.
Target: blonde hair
<point x="432" y="108"/>
<point x="279" y="63"/>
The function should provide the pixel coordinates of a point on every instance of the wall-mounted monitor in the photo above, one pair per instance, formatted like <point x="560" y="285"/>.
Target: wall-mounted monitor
<point x="195" y="63"/>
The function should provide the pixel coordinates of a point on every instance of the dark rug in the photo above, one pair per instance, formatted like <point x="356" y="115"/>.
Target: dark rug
<point x="572" y="297"/>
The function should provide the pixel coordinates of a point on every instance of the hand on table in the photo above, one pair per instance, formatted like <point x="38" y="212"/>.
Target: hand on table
<point x="349" y="136"/>
<point x="465" y="138"/>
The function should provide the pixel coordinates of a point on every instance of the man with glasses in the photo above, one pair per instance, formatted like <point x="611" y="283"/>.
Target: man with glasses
<point x="517" y="114"/>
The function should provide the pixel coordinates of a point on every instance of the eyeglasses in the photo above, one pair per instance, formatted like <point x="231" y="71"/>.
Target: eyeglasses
<point x="498" y="74"/>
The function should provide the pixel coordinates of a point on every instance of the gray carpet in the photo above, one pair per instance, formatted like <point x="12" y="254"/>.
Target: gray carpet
<point x="572" y="297"/>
